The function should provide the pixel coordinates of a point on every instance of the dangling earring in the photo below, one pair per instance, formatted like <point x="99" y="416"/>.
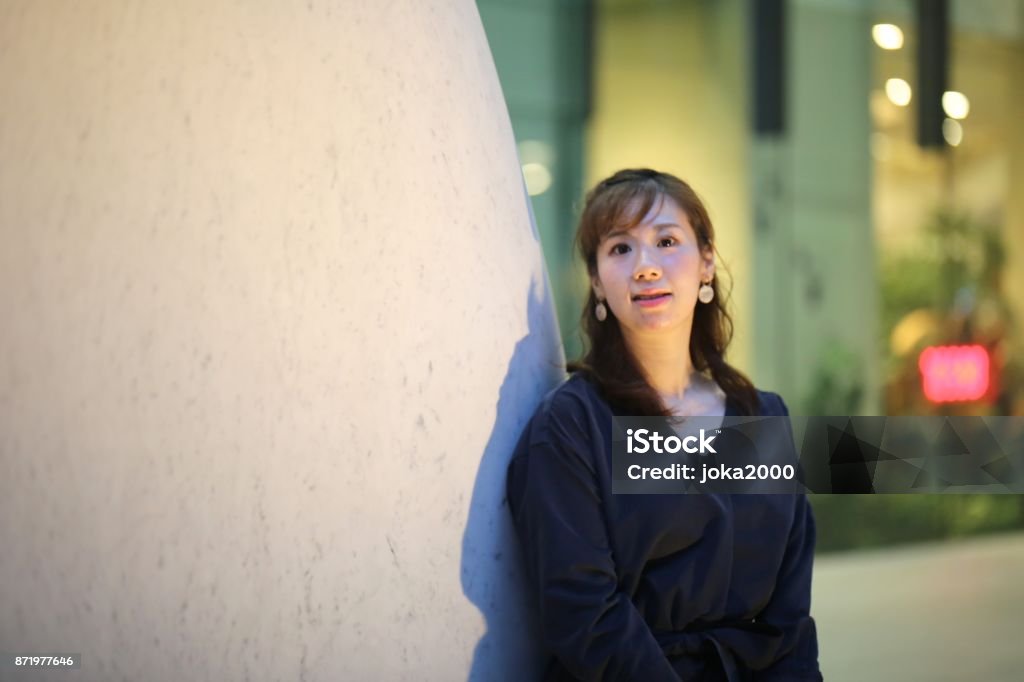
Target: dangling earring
<point x="600" y="312"/>
<point x="706" y="294"/>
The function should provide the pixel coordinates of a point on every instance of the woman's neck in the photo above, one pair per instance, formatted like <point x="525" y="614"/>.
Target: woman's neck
<point x="665" y="362"/>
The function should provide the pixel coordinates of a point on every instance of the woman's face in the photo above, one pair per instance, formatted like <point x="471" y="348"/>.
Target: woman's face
<point x="649" y="276"/>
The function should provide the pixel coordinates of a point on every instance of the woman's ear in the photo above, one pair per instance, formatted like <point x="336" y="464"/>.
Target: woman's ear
<point x="708" y="271"/>
<point x="595" y="284"/>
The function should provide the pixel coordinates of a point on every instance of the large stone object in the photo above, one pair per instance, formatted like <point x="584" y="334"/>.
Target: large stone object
<point x="273" y="314"/>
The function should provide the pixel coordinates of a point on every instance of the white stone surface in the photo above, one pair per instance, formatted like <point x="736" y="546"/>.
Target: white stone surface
<point x="273" y="314"/>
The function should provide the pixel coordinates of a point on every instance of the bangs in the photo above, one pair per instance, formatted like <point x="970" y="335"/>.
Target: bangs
<point x="625" y="207"/>
<point x="618" y="206"/>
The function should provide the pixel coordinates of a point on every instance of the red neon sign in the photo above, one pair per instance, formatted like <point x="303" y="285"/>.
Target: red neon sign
<point x="952" y="373"/>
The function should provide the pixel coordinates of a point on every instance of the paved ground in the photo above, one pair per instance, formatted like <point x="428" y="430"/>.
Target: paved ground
<point x="935" y="612"/>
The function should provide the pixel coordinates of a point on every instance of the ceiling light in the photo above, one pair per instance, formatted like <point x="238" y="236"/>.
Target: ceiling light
<point x="955" y="104"/>
<point x="898" y="91"/>
<point x="887" y="36"/>
<point x="953" y="132"/>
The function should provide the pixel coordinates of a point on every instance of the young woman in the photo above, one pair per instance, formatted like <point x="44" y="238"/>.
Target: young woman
<point x="656" y="587"/>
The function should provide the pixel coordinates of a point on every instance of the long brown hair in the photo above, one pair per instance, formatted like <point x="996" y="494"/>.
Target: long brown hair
<point x="622" y="201"/>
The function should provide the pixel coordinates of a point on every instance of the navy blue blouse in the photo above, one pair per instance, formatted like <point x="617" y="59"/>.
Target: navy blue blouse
<point x="657" y="587"/>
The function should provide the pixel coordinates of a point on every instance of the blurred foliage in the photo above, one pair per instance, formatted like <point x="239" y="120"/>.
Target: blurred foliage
<point x="950" y="279"/>
<point x="862" y="521"/>
<point x="908" y="282"/>
<point x="837" y="387"/>
<point x="970" y="254"/>
<point x="954" y="270"/>
<point x="947" y="289"/>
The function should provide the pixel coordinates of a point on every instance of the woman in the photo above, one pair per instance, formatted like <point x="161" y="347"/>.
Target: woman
<point x="656" y="587"/>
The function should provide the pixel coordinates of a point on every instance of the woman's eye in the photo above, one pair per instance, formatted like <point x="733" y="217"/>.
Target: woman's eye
<point x="619" y="249"/>
<point x="667" y="241"/>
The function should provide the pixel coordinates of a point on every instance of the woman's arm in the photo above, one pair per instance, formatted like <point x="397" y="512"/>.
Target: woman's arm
<point x="790" y="605"/>
<point x="592" y="628"/>
<point x="789" y="608"/>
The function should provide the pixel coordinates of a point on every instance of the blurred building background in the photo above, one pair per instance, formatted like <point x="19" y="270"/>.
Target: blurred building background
<point x="863" y="162"/>
<point x="855" y="241"/>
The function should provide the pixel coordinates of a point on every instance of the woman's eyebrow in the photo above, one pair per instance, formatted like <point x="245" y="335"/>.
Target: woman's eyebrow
<point x="622" y="232"/>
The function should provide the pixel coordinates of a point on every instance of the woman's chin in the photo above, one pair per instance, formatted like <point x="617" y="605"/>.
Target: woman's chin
<point x="656" y="324"/>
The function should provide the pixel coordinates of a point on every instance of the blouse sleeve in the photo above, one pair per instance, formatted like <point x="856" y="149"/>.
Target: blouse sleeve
<point x="790" y="604"/>
<point x="587" y="623"/>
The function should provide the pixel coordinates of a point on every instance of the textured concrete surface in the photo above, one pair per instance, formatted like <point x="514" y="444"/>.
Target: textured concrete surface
<point x="274" y="312"/>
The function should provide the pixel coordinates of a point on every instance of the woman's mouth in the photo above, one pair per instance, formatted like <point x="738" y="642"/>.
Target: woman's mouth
<point x="651" y="300"/>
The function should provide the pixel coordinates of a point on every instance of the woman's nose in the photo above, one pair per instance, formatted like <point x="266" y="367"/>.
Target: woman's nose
<point x="646" y="265"/>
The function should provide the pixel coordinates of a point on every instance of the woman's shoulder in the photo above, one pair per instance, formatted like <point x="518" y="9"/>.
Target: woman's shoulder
<point x="575" y="393"/>
<point x="770" y="404"/>
<point x="568" y="408"/>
